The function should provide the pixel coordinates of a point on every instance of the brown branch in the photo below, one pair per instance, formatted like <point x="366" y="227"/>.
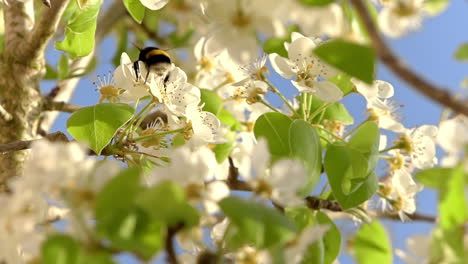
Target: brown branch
<point x="44" y="29"/>
<point x="60" y="106"/>
<point x="412" y="217"/>
<point x="169" y="243"/>
<point x="316" y="203"/>
<point x="26" y="144"/>
<point x="312" y="202"/>
<point x="442" y="96"/>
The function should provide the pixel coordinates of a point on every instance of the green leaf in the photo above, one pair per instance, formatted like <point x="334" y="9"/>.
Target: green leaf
<point x="96" y="125"/>
<point x="434" y="178"/>
<point x="450" y="182"/>
<point x="447" y="246"/>
<point x="136" y="9"/>
<point x="254" y="223"/>
<point x="214" y="104"/>
<point x="350" y="167"/>
<point x="302" y="216"/>
<point x="316" y="2"/>
<point x="315" y="253"/>
<point x="276" y="45"/>
<point x="63" y="67"/>
<point x="354" y="59"/>
<point x="333" y="112"/>
<point x="116" y="195"/>
<point x="304" y="143"/>
<point x="372" y="245"/>
<point x="120" y="221"/>
<point x="222" y="151"/>
<point x="51" y="73"/>
<point x="434" y="7"/>
<point x="122" y="40"/>
<point x="462" y="52"/>
<point x="275" y="128"/>
<point x="331" y="239"/>
<point x="343" y="82"/>
<point x="59" y="249"/>
<point x="175" y="211"/>
<point x="79" y="33"/>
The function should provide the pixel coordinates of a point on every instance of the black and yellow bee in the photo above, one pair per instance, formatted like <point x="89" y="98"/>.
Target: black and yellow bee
<point x="156" y="61"/>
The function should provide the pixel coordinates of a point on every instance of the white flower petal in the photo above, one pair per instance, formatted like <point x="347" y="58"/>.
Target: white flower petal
<point x="281" y="66"/>
<point x="328" y="92"/>
<point x="154" y="4"/>
<point x="300" y="51"/>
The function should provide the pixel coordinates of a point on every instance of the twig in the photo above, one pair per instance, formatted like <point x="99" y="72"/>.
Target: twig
<point x="437" y="94"/>
<point x="312" y="202"/>
<point x="316" y="203"/>
<point x="26" y="144"/>
<point x="169" y="243"/>
<point x="412" y="217"/>
<point x="60" y="106"/>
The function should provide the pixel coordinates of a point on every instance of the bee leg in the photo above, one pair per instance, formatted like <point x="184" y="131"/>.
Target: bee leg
<point x="136" y="67"/>
<point x="147" y="74"/>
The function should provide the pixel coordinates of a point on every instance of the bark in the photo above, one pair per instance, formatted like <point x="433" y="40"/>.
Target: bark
<point x="23" y="66"/>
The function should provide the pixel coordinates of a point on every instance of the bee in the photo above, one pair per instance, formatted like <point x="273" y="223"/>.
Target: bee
<point x="156" y="61"/>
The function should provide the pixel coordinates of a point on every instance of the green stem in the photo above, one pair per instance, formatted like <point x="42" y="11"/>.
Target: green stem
<point x="328" y="132"/>
<point x="304" y="105"/>
<point x="319" y="110"/>
<point x="390" y="148"/>
<point x="276" y="91"/>
<point x="354" y="129"/>
<point x="268" y="105"/>
<point x="131" y="121"/>
<point x="158" y="134"/>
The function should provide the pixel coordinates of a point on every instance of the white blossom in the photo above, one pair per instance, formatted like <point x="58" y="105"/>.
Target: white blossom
<point x="307" y="69"/>
<point x="154" y="4"/>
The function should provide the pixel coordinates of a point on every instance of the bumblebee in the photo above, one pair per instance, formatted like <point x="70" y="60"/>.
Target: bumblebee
<point x="156" y="61"/>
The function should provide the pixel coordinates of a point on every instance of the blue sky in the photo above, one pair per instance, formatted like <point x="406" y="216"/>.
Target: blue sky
<point x="429" y="51"/>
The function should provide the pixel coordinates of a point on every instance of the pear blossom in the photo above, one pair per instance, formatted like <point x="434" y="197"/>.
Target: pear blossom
<point x="419" y="249"/>
<point x="378" y="90"/>
<point x="453" y="138"/>
<point x="398" y="18"/>
<point x="126" y="79"/>
<point x="206" y="126"/>
<point x="403" y="192"/>
<point x="384" y="112"/>
<point x="316" y="20"/>
<point x="282" y="182"/>
<point x="308" y="70"/>
<point x="154" y="4"/>
<point x="175" y="93"/>
<point x="191" y="169"/>
<point x="296" y="250"/>
<point x="235" y="24"/>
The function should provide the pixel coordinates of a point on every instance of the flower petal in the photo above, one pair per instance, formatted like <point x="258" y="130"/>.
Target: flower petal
<point x="328" y="92"/>
<point x="282" y="66"/>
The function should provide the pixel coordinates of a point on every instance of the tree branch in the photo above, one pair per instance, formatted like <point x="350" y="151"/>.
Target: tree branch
<point x="26" y="144"/>
<point x="169" y="243"/>
<point x="44" y="29"/>
<point x="398" y="67"/>
<point x="60" y="106"/>
<point x="312" y="202"/>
